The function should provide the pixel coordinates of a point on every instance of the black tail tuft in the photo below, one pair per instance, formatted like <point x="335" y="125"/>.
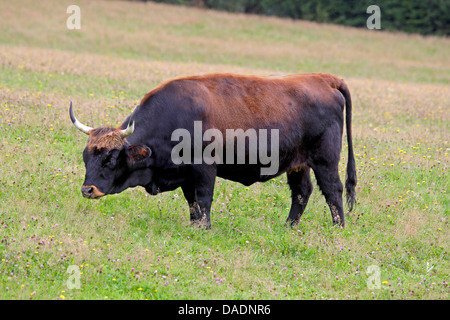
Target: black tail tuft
<point x="350" y="184"/>
<point x="350" y="181"/>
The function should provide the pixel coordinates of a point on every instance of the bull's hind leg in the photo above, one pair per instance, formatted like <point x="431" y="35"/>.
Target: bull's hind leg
<point x="331" y="186"/>
<point x="301" y="188"/>
<point x="325" y="164"/>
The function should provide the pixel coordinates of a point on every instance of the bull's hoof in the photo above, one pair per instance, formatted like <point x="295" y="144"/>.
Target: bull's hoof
<point x="338" y="223"/>
<point x="291" y="223"/>
<point x="202" y="224"/>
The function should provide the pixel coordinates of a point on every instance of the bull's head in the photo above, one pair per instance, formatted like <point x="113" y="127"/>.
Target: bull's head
<point x="112" y="164"/>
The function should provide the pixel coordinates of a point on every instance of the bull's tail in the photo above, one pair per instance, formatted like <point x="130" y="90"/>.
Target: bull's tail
<point x="350" y="180"/>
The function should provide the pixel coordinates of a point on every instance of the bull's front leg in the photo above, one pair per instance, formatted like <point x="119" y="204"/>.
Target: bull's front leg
<point x="205" y="211"/>
<point x="189" y="194"/>
<point x="204" y="177"/>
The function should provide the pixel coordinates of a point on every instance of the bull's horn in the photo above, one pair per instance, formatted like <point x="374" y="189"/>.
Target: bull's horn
<point x="130" y="128"/>
<point x="77" y="123"/>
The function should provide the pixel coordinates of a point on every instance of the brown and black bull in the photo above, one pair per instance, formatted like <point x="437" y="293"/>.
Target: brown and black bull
<point x="306" y="109"/>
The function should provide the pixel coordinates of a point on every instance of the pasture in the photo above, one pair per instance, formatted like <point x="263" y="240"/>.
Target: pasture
<point x="136" y="246"/>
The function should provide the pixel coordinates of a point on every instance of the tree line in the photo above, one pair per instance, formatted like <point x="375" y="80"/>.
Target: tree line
<point x="427" y="17"/>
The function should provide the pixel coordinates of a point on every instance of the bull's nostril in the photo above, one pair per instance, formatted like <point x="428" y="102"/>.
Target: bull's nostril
<point x="87" y="191"/>
<point x="91" y="192"/>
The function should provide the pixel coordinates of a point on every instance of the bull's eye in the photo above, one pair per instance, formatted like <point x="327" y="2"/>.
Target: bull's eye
<point x="106" y="161"/>
<point x="109" y="160"/>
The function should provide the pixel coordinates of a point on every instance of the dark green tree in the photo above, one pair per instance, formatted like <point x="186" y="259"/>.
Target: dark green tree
<point x="413" y="16"/>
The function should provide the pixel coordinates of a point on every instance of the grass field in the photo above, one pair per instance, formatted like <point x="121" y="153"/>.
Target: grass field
<point x="136" y="246"/>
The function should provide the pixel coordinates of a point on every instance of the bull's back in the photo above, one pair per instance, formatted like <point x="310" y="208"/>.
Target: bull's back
<point x="239" y="101"/>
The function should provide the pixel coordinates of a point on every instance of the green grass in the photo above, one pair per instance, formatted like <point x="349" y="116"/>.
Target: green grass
<point x="84" y="86"/>
<point x="157" y="32"/>
<point x="136" y="246"/>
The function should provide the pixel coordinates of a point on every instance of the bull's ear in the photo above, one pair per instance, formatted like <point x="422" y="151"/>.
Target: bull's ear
<point x="137" y="153"/>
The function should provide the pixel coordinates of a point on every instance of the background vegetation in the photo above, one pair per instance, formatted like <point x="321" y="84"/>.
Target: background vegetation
<point x="414" y="16"/>
<point x="136" y="246"/>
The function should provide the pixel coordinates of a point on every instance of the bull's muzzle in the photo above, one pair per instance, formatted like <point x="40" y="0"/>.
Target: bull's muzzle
<point x="91" y="192"/>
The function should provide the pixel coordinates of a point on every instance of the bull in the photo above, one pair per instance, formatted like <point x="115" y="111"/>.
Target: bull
<point x="306" y="110"/>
